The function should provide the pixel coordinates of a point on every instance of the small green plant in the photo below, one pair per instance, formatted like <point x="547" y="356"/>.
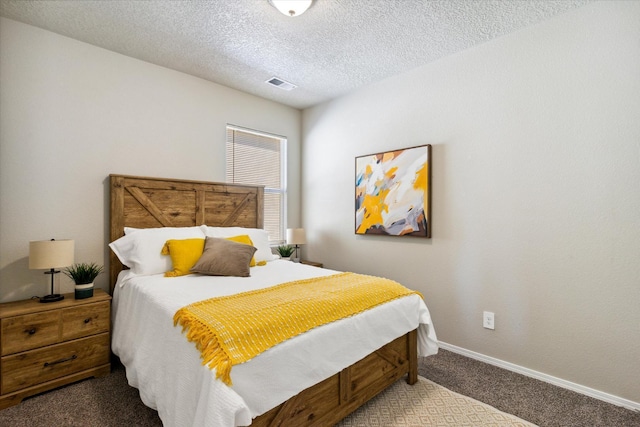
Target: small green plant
<point x="285" y="251"/>
<point x="83" y="273"/>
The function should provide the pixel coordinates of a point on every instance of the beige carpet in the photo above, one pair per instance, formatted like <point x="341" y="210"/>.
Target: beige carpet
<point x="427" y="404"/>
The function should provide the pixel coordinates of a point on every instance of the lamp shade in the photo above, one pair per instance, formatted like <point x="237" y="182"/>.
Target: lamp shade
<point x="296" y="236"/>
<point x="45" y="254"/>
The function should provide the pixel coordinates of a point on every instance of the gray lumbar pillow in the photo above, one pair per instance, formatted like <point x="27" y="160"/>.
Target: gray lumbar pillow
<point x="222" y="257"/>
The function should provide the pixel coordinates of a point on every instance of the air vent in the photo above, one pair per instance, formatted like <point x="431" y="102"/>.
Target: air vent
<point x="274" y="81"/>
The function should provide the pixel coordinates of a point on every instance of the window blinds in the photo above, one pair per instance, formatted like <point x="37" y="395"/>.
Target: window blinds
<point x="257" y="159"/>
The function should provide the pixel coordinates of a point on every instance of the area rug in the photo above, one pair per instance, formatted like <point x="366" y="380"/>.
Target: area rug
<point x="427" y="404"/>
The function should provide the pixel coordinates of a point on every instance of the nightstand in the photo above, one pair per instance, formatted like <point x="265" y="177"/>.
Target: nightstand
<point x="313" y="263"/>
<point x="44" y="346"/>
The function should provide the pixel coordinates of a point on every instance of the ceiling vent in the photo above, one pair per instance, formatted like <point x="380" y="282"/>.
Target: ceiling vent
<point x="274" y="81"/>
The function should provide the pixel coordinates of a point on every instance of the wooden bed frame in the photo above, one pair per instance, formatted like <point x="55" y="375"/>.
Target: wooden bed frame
<point x="156" y="202"/>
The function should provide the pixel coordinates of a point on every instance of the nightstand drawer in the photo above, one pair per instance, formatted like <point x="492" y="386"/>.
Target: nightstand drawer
<point x="85" y="320"/>
<point x="33" y="367"/>
<point x="21" y="333"/>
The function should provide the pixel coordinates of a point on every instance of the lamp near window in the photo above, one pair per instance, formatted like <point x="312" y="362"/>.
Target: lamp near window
<point x="291" y="7"/>
<point x="296" y="237"/>
<point x="51" y="254"/>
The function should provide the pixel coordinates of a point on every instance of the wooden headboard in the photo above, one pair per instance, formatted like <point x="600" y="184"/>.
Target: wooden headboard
<point x="143" y="202"/>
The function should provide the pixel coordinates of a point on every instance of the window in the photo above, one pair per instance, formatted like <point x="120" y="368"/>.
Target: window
<point x="257" y="158"/>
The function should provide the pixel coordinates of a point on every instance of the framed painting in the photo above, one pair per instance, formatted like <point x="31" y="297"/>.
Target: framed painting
<point x="393" y="192"/>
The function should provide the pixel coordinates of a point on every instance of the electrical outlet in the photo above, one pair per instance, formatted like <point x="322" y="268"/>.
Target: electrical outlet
<point x="488" y="320"/>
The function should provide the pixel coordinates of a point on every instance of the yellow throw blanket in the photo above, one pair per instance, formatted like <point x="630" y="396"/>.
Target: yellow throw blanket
<point x="234" y="329"/>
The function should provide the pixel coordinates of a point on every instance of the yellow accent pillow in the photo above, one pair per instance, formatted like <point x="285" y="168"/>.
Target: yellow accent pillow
<point x="244" y="238"/>
<point x="184" y="255"/>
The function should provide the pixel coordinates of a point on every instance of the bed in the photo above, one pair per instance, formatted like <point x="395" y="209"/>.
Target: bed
<point x="316" y="378"/>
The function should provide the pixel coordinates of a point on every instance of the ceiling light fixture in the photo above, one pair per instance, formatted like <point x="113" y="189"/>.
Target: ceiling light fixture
<point x="291" y="7"/>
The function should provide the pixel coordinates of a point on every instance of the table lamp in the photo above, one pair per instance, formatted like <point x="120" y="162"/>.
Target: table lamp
<point x="296" y="237"/>
<point x="51" y="254"/>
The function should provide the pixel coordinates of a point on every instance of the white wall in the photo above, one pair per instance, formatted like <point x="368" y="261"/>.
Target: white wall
<point x="536" y="193"/>
<point x="72" y="113"/>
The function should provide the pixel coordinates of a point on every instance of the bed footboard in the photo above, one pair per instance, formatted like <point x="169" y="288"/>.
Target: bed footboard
<point x="329" y="401"/>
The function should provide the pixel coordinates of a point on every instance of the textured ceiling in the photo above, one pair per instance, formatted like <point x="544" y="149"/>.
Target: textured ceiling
<point x="335" y="47"/>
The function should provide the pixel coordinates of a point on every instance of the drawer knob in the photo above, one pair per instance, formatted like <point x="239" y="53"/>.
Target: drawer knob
<point x="87" y="320"/>
<point x="31" y="331"/>
<point x="74" y="357"/>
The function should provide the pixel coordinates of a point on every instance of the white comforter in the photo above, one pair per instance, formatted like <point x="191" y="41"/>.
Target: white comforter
<point x="167" y="369"/>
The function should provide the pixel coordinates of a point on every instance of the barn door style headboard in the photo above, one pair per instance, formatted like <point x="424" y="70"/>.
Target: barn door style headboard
<point x="143" y="202"/>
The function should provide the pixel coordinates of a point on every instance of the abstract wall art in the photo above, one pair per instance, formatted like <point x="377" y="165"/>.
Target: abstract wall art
<point x="393" y="192"/>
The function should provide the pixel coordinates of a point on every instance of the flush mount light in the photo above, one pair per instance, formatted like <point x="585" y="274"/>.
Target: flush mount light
<point x="291" y="7"/>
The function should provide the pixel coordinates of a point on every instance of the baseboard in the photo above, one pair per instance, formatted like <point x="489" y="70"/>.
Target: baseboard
<point x="606" y="397"/>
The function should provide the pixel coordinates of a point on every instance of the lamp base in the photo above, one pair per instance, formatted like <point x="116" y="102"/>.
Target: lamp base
<point x="52" y="298"/>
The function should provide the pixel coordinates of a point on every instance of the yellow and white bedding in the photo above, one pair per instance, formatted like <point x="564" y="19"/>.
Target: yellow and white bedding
<point x="167" y="368"/>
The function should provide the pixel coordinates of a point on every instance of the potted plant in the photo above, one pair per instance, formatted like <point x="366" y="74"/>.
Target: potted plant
<point x="83" y="275"/>
<point x="285" y="251"/>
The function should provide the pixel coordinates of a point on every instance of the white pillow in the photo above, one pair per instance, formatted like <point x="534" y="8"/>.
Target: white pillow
<point x="259" y="237"/>
<point x="140" y="250"/>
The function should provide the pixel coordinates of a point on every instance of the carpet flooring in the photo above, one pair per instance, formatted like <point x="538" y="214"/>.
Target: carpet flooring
<point x="533" y="400"/>
<point x="109" y="401"/>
